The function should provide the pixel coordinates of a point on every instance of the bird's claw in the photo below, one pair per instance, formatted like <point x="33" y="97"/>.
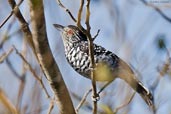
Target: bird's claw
<point x="95" y="97"/>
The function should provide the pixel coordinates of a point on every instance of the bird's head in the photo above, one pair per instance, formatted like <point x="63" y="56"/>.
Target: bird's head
<point x="70" y="34"/>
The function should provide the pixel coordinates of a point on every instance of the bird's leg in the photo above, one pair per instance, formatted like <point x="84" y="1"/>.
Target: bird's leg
<point x="95" y="97"/>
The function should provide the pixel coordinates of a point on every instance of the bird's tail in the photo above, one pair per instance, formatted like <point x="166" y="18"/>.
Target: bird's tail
<point x="124" y="72"/>
<point x="145" y="94"/>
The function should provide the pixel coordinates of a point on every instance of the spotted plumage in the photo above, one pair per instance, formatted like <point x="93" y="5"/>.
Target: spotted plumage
<point x="108" y="66"/>
<point x="78" y="56"/>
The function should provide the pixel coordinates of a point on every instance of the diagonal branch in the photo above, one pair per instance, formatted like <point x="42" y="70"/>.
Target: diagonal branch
<point x="24" y="24"/>
<point x="10" y="15"/>
<point x="5" y="55"/>
<point x="33" y="72"/>
<point x="46" y="60"/>
<point x="7" y="103"/>
<point x="67" y="10"/>
<point x="83" y="100"/>
<point x="125" y="104"/>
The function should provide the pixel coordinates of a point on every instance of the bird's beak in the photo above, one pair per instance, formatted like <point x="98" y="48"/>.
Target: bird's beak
<point x="59" y="27"/>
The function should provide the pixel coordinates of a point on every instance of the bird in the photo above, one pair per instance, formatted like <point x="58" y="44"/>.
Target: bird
<point x="108" y="66"/>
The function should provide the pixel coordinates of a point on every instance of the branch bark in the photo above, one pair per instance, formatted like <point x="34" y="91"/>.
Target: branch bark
<point x="91" y="53"/>
<point x="23" y="23"/>
<point x="46" y="59"/>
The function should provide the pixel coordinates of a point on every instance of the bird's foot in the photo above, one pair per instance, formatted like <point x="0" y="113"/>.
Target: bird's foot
<point x="95" y="97"/>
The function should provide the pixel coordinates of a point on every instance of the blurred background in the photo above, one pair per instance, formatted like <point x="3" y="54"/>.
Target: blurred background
<point x="138" y="31"/>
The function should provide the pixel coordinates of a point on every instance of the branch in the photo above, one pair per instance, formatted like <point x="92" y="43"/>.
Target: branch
<point x="79" y="13"/>
<point x="51" y="106"/>
<point x="83" y="100"/>
<point x="125" y="104"/>
<point x="96" y="34"/>
<point x="67" y="10"/>
<point x="33" y="72"/>
<point x="22" y="79"/>
<point x="88" y="16"/>
<point x="46" y="60"/>
<point x="7" y="103"/>
<point x="158" y="10"/>
<point x="23" y="23"/>
<point x="91" y="53"/>
<point x="86" y="94"/>
<point x="5" y="55"/>
<point x="5" y="20"/>
<point x="10" y="15"/>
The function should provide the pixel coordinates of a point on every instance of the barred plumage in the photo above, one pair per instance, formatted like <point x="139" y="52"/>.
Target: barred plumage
<point x="77" y="54"/>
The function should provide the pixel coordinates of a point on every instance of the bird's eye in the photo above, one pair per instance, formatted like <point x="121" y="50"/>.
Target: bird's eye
<point x="70" y="32"/>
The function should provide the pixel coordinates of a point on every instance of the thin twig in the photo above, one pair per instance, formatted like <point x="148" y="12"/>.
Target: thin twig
<point x="80" y="13"/>
<point x="22" y="79"/>
<point x="7" y="103"/>
<point x="24" y="25"/>
<point x="91" y="53"/>
<point x="7" y="18"/>
<point x="51" y="106"/>
<point x="125" y="104"/>
<point x="79" y="98"/>
<point x="88" y="16"/>
<point x="5" y="55"/>
<point x="87" y="93"/>
<point x="67" y="10"/>
<point x="83" y="100"/>
<point x="158" y="10"/>
<point x="11" y="67"/>
<point x="96" y="34"/>
<point x="34" y="73"/>
<point x="21" y="91"/>
<point x="10" y="15"/>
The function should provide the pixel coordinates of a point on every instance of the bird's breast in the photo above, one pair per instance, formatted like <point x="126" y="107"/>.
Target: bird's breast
<point x="79" y="61"/>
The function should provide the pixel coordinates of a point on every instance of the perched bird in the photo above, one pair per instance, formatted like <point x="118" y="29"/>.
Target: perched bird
<point x="108" y="66"/>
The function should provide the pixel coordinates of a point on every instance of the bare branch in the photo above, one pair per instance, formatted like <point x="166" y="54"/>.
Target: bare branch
<point x="96" y="34"/>
<point x="51" y="106"/>
<point x="24" y="24"/>
<point x="79" y="13"/>
<point x="125" y="104"/>
<point x="7" y="103"/>
<point x="46" y="60"/>
<point x="91" y="53"/>
<point x="5" y="55"/>
<point x="5" y="20"/>
<point x="87" y="93"/>
<point x="17" y="75"/>
<point x="83" y="100"/>
<point x="33" y="72"/>
<point x="22" y="80"/>
<point x="88" y="16"/>
<point x="67" y="10"/>
<point x="10" y="15"/>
